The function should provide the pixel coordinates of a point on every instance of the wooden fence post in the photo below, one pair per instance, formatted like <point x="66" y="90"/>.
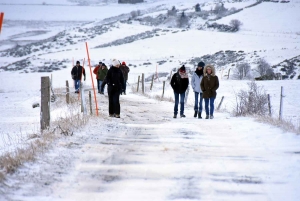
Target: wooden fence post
<point x="152" y="82"/>
<point x="220" y="103"/>
<point x="143" y="83"/>
<point x="67" y="92"/>
<point x="138" y="83"/>
<point x="45" y="103"/>
<point x="164" y="83"/>
<point x="90" y="100"/>
<point x="269" y="105"/>
<point x="280" y="109"/>
<point x="228" y="74"/>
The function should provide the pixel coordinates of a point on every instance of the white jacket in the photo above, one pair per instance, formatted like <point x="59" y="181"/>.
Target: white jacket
<point x="196" y="80"/>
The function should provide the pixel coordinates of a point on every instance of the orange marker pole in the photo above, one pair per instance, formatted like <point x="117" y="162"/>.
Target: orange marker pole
<point x="87" y="50"/>
<point x="1" y="20"/>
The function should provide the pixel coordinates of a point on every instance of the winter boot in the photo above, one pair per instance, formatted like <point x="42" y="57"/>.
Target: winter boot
<point x="207" y="117"/>
<point x="211" y="116"/>
<point x="175" y="116"/>
<point x="182" y="115"/>
<point x="199" y="115"/>
<point x="195" y="115"/>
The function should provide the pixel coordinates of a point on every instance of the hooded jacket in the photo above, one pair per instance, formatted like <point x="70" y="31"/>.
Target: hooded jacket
<point x="209" y="83"/>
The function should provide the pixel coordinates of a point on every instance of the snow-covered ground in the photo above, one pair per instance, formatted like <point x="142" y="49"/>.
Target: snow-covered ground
<point x="148" y="155"/>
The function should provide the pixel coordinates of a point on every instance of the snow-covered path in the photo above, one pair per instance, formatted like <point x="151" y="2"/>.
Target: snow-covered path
<point x="148" y="155"/>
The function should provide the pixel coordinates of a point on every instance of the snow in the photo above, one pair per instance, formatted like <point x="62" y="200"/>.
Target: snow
<point x="148" y="155"/>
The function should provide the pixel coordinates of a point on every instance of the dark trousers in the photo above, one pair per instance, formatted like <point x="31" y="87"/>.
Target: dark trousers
<point x="209" y="102"/>
<point x="182" y="96"/>
<point x="124" y="90"/>
<point x="113" y="100"/>
<point x="98" y="85"/>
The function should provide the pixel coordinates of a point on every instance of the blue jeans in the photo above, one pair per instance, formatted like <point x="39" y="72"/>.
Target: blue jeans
<point x="77" y="84"/>
<point x="209" y="101"/>
<point x="100" y="83"/>
<point x="182" y="96"/>
<point x="200" y="101"/>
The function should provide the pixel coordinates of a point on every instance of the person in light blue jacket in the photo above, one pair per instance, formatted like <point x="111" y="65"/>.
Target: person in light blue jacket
<point x="196" y="80"/>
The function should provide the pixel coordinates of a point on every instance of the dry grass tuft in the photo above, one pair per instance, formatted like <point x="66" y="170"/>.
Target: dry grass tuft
<point x="37" y="143"/>
<point x="286" y="125"/>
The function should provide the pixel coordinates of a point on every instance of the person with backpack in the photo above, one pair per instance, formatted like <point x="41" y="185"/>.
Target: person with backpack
<point x="209" y="85"/>
<point x="76" y="73"/>
<point x="196" y="80"/>
<point x="95" y="71"/>
<point x="179" y="83"/>
<point x="125" y="70"/>
<point x="102" y="72"/>
<point x="115" y="83"/>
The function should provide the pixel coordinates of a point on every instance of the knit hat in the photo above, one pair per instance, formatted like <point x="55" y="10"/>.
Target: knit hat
<point x="100" y="62"/>
<point x="115" y="62"/>
<point x="123" y="63"/>
<point x="182" y="68"/>
<point x="77" y="62"/>
<point x="201" y="64"/>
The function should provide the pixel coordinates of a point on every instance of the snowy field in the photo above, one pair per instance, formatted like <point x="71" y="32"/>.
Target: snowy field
<point x="147" y="152"/>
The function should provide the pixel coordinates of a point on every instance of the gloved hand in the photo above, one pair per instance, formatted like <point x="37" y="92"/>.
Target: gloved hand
<point x="84" y="78"/>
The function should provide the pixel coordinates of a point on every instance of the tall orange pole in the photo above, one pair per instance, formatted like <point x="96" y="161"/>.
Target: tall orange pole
<point x="87" y="50"/>
<point x="1" y="20"/>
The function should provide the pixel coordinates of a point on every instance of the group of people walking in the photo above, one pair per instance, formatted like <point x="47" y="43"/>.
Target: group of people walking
<point x="204" y="83"/>
<point x="115" y="77"/>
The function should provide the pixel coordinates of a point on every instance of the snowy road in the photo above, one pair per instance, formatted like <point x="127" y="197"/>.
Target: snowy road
<point x="148" y="155"/>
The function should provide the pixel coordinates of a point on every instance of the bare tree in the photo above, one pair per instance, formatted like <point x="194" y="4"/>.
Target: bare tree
<point x="242" y="71"/>
<point x="262" y="67"/>
<point x="236" y="24"/>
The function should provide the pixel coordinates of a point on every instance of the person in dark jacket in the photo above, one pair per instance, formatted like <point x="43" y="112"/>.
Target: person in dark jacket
<point x="115" y="83"/>
<point x="95" y="71"/>
<point x="77" y="72"/>
<point x="209" y="85"/>
<point x="102" y="71"/>
<point x="125" y="70"/>
<point x="180" y="83"/>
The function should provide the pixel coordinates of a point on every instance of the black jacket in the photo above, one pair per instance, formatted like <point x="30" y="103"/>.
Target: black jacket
<point x="115" y="78"/>
<point x="179" y="84"/>
<point x="77" y="72"/>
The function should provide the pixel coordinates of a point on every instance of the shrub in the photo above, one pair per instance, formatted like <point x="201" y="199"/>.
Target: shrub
<point x="235" y="24"/>
<point x="172" y="12"/>
<point x="251" y="102"/>
<point x="242" y="71"/>
<point x="262" y="67"/>
<point x="183" y="20"/>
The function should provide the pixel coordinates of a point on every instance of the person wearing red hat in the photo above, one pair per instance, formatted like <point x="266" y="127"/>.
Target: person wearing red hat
<point x="125" y="70"/>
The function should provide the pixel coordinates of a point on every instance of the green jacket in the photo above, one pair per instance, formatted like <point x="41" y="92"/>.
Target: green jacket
<point x="102" y="73"/>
